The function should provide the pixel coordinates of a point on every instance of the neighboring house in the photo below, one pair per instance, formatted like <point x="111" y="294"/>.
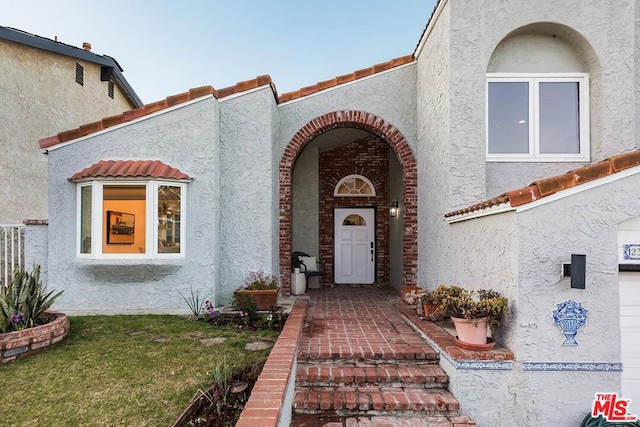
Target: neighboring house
<point x="47" y="87"/>
<point x="497" y="95"/>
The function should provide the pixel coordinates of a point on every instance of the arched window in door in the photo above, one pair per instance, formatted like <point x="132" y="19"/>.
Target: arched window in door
<point x="354" y="220"/>
<point x="354" y="186"/>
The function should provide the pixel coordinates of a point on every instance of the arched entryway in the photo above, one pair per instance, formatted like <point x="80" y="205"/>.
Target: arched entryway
<point x="393" y="137"/>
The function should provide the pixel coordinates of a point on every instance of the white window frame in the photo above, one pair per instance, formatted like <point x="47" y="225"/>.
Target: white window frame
<point x="152" y="220"/>
<point x="534" y="154"/>
<point x="348" y="177"/>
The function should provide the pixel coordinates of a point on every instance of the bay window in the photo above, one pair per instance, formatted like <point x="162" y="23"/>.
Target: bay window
<point x="131" y="219"/>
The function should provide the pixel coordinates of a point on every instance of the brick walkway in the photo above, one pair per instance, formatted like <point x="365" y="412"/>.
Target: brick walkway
<point x="360" y="364"/>
<point x="358" y="322"/>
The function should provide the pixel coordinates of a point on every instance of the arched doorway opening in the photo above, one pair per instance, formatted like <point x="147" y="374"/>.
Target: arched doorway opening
<point x="373" y="125"/>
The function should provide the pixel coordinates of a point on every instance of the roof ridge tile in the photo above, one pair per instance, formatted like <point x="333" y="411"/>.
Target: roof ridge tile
<point x="154" y="107"/>
<point x="345" y="78"/>
<point x="551" y="185"/>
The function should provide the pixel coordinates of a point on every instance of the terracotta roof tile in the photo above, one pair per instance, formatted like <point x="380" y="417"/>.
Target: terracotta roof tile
<point x="433" y="12"/>
<point x="548" y="186"/>
<point x="359" y="74"/>
<point x="147" y="109"/>
<point x="129" y="169"/>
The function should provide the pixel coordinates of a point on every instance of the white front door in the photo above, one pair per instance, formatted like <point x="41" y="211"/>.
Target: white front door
<point x="630" y="338"/>
<point x="354" y="245"/>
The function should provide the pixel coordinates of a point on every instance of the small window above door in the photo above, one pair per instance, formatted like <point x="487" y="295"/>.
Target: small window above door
<point x="354" y="186"/>
<point x="354" y="220"/>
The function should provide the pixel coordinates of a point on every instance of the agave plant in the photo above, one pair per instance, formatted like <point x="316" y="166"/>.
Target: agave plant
<point x="24" y="301"/>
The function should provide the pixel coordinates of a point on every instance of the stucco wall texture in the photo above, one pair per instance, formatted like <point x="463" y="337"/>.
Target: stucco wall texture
<point x="248" y="176"/>
<point x="188" y="139"/>
<point x="232" y="149"/>
<point x="40" y="98"/>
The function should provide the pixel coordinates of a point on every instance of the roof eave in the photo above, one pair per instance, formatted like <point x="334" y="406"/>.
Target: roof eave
<point x="49" y="45"/>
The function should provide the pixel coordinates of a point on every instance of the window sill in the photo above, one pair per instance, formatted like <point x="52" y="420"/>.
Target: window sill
<point x="504" y="159"/>
<point x="129" y="261"/>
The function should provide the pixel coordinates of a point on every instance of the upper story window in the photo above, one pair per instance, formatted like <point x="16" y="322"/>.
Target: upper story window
<point x="538" y="117"/>
<point x="354" y="186"/>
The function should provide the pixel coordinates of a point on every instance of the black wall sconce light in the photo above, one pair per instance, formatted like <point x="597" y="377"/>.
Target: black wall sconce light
<point x="577" y="271"/>
<point x="393" y="212"/>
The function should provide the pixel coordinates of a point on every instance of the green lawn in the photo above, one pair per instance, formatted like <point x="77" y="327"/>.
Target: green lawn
<point x="103" y="374"/>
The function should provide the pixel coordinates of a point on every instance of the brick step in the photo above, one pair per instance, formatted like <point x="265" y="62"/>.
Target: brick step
<point x="384" y="375"/>
<point x="372" y="400"/>
<point x="305" y="420"/>
<point x="370" y="354"/>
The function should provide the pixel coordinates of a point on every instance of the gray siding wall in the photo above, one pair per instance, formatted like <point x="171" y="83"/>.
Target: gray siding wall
<point x="390" y="95"/>
<point x="603" y="33"/>
<point x="584" y="223"/>
<point x="248" y="171"/>
<point x="305" y="203"/>
<point x="396" y="241"/>
<point x="39" y="99"/>
<point x="186" y="138"/>
<point x="434" y="157"/>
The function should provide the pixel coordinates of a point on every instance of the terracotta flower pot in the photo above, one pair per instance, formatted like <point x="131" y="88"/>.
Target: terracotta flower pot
<point x="428" y="309"/>
<point x="264" y="299"/>
<point x="472" y="331"/>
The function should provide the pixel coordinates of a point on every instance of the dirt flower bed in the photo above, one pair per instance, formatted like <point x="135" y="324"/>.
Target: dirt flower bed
<point x="221" y="404"/>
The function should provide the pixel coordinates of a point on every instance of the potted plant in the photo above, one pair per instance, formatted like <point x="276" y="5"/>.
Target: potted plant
<point x="296" y="264"/>
<point x="473" y="313"/>
<point x="262" y="288"/>
<point x="431" y="303"/>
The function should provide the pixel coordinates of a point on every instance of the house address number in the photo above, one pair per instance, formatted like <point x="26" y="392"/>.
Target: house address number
<point x="632" y="251"/>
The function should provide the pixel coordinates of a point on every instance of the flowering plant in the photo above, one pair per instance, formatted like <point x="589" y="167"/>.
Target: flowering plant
<point x="259" y="280"/>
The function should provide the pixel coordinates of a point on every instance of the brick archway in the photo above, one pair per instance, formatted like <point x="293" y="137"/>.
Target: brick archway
<point x="393" y="137"/>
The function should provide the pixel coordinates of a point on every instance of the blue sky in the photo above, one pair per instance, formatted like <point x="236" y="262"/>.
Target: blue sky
<point x="169" y="46"/>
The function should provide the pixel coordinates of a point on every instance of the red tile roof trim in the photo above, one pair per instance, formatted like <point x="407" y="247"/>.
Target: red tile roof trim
<point x="548" y="186"/>
<point x="155" y="107"/>
<point x="359" y="74"/>
<point x="199" y="92"/>
<point x="129" y="169"/>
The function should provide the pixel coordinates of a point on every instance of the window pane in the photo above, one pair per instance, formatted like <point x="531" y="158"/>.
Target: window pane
<point x="168" y="219"/>
<point x="354" y="186"/>
<point x="354" y="220"/>
<point x="124" y="219"/>
<point x="85" y="220"/>
<point x="508" y="118"/>
<point x="559" y="118"/>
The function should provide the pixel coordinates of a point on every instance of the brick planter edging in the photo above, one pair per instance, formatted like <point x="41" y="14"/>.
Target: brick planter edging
<point x="447" y="342"/>
<point x="20" y="344"/>
<point x="271" y="400"/>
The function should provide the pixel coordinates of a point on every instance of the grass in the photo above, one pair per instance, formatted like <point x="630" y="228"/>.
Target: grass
<point x="103" y="374"/>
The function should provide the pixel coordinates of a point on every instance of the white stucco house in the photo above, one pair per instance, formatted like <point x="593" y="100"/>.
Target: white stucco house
<point x="508" y="141"/>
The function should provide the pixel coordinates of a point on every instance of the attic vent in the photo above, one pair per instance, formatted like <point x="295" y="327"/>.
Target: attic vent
<point x="110" y="89"/>
<point x="79" y="74"/>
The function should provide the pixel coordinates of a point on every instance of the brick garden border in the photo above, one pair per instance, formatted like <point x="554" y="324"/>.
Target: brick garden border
<point x="20" y="344"/>
<point x="395" y="139"/>
<point x="271" y="401"/>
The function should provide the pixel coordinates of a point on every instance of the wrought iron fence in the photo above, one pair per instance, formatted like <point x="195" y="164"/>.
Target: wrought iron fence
<point x="11" y="251"/>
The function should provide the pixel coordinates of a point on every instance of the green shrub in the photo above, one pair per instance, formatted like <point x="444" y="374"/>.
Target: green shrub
<point x="24" y="301"/>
